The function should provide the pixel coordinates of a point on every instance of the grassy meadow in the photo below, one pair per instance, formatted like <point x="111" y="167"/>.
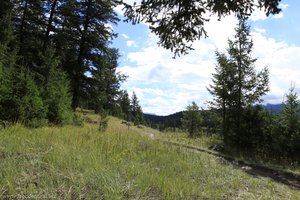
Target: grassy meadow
<point x="82" y="163"/>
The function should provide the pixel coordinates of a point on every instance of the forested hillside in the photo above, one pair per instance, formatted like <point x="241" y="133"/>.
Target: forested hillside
<point x="163" y="122"/>
<point x="55" y="56"/>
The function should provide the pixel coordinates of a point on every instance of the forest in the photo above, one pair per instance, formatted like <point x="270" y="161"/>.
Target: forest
<point x="55" y="56"/>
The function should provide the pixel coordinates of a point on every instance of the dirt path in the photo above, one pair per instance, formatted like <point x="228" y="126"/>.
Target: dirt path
<point x="287" y="178"/>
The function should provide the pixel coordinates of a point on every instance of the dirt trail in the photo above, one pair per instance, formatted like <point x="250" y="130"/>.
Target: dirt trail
<point x="287" y="178"/>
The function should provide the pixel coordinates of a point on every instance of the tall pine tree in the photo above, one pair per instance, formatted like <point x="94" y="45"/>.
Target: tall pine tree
<point x="236" y="84"/>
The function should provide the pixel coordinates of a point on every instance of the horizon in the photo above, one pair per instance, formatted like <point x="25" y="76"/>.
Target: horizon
<point x="268" y="104"/>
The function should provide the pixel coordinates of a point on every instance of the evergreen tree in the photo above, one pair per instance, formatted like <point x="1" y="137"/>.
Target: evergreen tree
<point x="7" y="40"/>
<point x="41" y="41"/>
<point x="7" y="65"/>
<point x="84" y="25"/>
<point x="139" y="117"/>
<point x="29" y="21"/>
<point x="236" y="85"/>
<point x="125" y="105"/>
<point x="6" y="7"/>
<point x="287" y="128"/>
<point x="223" y="89"/>
<point x="57" y="97"/>
<point x="136" y="110"/>
<point x="21" y="99"/>
<point x="291" y="111"/>
<point x="104" y="83"/>
<point x="192" y="119"/>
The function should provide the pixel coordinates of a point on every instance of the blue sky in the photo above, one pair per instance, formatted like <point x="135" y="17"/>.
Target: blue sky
<point x="165" y="85"/>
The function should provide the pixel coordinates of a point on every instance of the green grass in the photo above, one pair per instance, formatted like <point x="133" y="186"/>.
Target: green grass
<point x="81" y="162"/>
<point x="207" y="141"/>
<point x="181" y="137"/>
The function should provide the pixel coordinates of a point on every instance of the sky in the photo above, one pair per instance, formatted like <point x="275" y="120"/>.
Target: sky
<point x="165" y="85"/>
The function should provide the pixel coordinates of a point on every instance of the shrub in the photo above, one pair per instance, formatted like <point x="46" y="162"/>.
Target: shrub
<point x="103" y="121"/>
<point x="57" y="97"/>
<point x="20" y="98"/>
<point x="78" y="119"/>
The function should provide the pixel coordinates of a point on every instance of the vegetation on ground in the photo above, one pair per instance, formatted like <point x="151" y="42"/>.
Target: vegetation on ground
<point x="55" y="57"/>
<point x="74" y="162"/>
<point x="215" y="143"/>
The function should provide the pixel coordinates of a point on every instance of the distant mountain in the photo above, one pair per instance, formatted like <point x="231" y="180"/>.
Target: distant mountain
<point x="275" y="108"/>
<point x="150" y="114"/>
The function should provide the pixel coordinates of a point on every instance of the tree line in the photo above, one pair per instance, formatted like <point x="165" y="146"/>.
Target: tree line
<point x="55" y="56"/>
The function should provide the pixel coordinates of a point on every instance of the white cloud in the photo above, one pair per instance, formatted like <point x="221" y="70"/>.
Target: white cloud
<point x="125" y="36"/>
<point x="283" y="63"/>
<point x="260" y="14"/>
<point x="278" y="16"/>
<point x="259" y="30"/>
<point x="119" y="8"/>
<point x="131" y="43"/>
<point x="283" y="6"/>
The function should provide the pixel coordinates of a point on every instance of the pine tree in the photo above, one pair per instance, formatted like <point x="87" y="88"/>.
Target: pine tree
<point x="291" y="122"/>
<point x="236" y="84"/>
<point x="21" y="99"/>
<point x="7" y="64"/>
<point x="136" y="110"/>
<point x="223" y="88"/>
<point x="7" y="38"/>
<point x="83" y="24"/>
<point x="57" y="97"/>
<point x="192" y="119"/>
<point x="29" y="24"/>
<point x="125" y="105"/>
<point x="6" y="7"/>
<point x="104" y="83"/>
<point x="139" y="117"/>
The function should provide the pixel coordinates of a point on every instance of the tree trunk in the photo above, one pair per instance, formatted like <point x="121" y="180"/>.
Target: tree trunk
<point x="240" y="85"/>
<point x="22" y="25"/>
<point x="79" y="71"/>
<point x="49" y="25"/>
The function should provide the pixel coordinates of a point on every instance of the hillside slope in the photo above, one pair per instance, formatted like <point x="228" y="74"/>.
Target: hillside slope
<point x="121" y="163"/>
